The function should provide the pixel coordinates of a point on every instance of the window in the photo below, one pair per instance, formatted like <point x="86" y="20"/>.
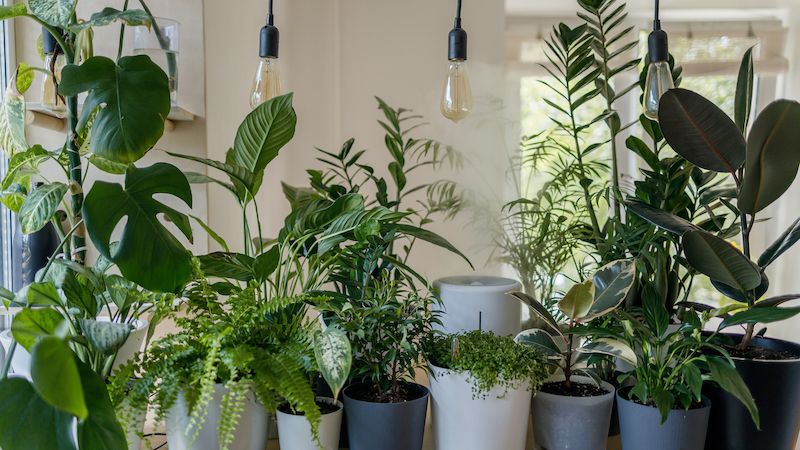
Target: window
<point x="6" y="218"/>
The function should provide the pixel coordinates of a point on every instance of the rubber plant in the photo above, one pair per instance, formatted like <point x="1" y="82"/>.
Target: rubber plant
<point x="762" y="164"/>
<point x="566" y="343"/>
<point x="122" y="117"/>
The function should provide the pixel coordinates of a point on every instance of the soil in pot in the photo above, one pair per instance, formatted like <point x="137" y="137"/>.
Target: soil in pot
<point x="387" y="426"/>
<point x="574" y="417"/>
<point x="771" y="369"/>
<point x="324" y="408"/>
<point x="641" y="426"/>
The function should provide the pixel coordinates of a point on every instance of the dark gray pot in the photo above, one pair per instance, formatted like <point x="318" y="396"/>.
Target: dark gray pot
<point x="386" y="426"/>
<point x="575" y="423"/>
<point x="642" y="429"/>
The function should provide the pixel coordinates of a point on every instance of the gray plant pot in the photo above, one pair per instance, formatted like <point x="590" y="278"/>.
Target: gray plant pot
<point x="642" y="429"/>
<point x="386" y="426"/>
<point x="575" y="423"/>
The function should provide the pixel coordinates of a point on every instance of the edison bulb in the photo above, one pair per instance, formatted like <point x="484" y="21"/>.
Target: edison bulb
<point x="267" y="83"/>
<point x="658" y="82"/>
<point x="457" y="93"/>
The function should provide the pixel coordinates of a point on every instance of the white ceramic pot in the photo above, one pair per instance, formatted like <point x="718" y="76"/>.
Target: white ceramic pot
<point x="479" y="302"/>
<point x="21" y="361"/>
<point x="463" y="421"/>
<point x="295" y="431"/>
<point x="251" y="432"/>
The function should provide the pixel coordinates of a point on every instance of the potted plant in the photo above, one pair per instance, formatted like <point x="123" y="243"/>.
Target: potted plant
<point x="481" y="386"/>
<point x="661" y="405"/>
<point x="568" y="398"/>
<point x="333" y="356"/>
<point x="762" y="164"/>
<point x="61" y="322"/>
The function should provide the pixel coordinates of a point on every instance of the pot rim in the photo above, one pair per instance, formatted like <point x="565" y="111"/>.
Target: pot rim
<point x="525" y="384"/>
<point x="605" y="385"/>
<point x="464" y="283"/>
<point x="322" y="399"/>
<point x="624" y="390"/>
<point x="423" y="389"/>
<point x="793" y="344"/>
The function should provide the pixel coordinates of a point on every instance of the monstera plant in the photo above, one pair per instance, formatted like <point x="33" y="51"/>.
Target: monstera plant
<point x="126" y="100"/>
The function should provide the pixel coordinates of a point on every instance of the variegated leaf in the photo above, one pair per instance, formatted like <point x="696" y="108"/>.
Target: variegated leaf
<point x="54" y="12"/>
<point x="334" y="356"/>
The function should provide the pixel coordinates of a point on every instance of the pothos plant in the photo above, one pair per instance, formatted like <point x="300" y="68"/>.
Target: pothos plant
<point x="567" y="343"/>
<point x="127" y="101"/>
<point x="762" y="164"/>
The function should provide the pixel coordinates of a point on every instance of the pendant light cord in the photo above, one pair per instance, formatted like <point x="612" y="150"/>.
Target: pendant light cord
<point x="657" y="21"/>
<point x="458" y="15"/>
<point x="270" y="18"/>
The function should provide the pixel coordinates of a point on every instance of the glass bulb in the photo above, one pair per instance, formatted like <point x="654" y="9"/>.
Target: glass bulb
<point x="659" y="81"/>
<point x="267" y="83"/>
<point x="50" y="98"/>
<point x="456" y="94"/>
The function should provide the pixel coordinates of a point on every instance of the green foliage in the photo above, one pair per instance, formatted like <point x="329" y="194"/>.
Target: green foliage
<point x="130" y="98"/>
<point x="144" y="237"/>
<point x="12" y="121"/>
<point x="55" y="376"/>
<point x="334" y="356"/>
<point x="490" y="361"/>
<point x="55" y="12"/>
<point x="670" y="367"/>
<point x="131" y="17"/>
<point x="40" y="207"/>
<point x="28" y="422"/>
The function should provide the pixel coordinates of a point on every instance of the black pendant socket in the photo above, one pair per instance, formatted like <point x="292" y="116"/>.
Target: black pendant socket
<point x="49" y="43"/>
<point x="457" y="44"/>
<point x="658" y="46"/>
<point x="270" y="37"/>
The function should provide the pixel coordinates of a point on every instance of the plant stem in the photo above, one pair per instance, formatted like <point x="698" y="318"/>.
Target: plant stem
<point x="75" y="187"/>
<point x="9" y="356"/>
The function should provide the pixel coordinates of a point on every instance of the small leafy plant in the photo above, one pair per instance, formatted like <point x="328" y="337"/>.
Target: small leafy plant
<point x="489" y="360"/>
<point x="585" y="302"/>
<point x="762" y="165"/>
<point x="670" y="367"/>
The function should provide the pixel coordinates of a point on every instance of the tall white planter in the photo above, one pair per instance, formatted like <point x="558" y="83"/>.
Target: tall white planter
<point x="295" y="431"/>
<point x="479" y="302"/>
<point x="463" y="421"/>
<point x="251" y="432"/>
<point x="21" y="361"/>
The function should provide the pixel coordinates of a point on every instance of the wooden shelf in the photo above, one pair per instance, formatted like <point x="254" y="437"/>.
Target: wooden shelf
<point x="40" y="116"/>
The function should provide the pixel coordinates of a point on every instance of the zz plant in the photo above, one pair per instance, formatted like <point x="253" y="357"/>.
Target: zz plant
<point x="761" y="164"/>
<point x="561" y="341"/>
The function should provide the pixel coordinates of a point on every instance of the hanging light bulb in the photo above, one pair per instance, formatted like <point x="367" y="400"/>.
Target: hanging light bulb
<point x="456" y="93"/>
<point x="267" y="82"/>
<point x="659" y="75"/>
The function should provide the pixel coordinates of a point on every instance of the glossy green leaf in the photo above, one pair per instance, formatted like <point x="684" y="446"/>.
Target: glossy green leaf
<point x="744" y="91"/>
<point x="14" y="10"/>
<point x="701" y="132"/>
<point x="234" y="266"/>
<point x="266" y="263"/>
<point x="612" y="284"/>
<point x="655" y="315"/>
<point x="773" y="156"/>
<point x="541" y="340"/>
<point x="130" y="17"/>
<point x="660" y="218"/>
<point x="720" y="261"/>
<point x="539" y="310"/>
<point x="728" y="378"/>
<point x="776" y="301"/>
<point x="784" y="242"/>
<point x="132" y="101"/>
<point x="30" y="325"/>
<point x="41" y="294"/>
<point x="432" y="238"/>
<point x="578" y="300"/>
<point x="104" y="336"/>
<point x="14" y="197"/>
<point x="261" y="136"/>
<point x="40" y="206"/>
<point x="334" y="356"/>
<point x="211" y="233"/>
<point x="767" y="314"/>
<point x="243" y="179"/>
<point x="101" y="430"/>
<point x="148" y="254"/>
<point x="55" y="376"/>
<point x="108" y="166"/>
<point x="28" y="422"/>
<point x="693" y="379"/>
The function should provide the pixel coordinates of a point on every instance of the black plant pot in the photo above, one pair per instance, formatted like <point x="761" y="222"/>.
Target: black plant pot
<point x="386" y="426"/>
<point x="36" y="251"/>
<point x="775" y="386"/>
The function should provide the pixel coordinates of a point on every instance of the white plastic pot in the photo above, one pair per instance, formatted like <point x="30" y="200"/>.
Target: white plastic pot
<point x="464" y="421"/>
<point x="251" y="431"/>
<point x="295" y="431"/>
<point x="21" y="361"/>
<point x="479" y="302"/>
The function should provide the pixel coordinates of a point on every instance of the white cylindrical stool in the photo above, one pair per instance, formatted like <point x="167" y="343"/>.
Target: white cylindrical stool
<point x="479" y="302"/>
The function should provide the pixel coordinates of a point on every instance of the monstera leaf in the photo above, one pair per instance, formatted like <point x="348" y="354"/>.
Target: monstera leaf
<point x="27" y="421"/>
<point x="773" y="156"/>
<point x="54" y="12"/>
<point x="132" y="101"/>
<point x="147" y="254"/>
<point x="701" y="132"/>
<point x="261" y="136"/>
